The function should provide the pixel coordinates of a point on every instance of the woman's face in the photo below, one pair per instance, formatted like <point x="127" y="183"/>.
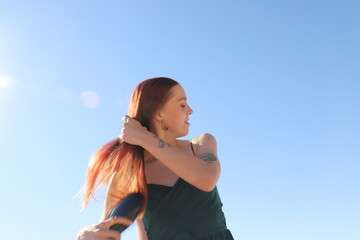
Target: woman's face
<point x="175" y="113"/>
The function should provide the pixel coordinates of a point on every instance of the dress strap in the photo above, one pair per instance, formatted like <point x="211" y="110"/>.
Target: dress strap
<point x="192" y="147"/>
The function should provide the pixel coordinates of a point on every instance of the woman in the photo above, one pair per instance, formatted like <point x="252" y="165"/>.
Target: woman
<point x="177" y="177"/>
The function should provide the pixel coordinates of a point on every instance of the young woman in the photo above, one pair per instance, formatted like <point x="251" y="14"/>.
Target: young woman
<point x="177" y="177"/>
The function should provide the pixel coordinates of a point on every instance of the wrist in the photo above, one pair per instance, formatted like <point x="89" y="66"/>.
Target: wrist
<point x="146" y="139"/>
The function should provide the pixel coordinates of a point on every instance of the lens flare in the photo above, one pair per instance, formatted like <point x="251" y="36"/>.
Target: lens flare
<point x="89" y="99"/>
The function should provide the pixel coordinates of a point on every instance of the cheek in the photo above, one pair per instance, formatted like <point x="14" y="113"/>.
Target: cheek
<point x="176" y="113"/>
<point x="176" y="116"/>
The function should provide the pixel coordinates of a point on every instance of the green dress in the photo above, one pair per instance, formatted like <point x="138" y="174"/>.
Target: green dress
<point x="183" y="212"/>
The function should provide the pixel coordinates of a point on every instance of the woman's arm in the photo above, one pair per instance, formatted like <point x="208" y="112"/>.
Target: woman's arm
<point x="202" y="171"/>
<point x="141" y="230"/>
<point x="101" y="230"/>
<point x="110" y="201"/>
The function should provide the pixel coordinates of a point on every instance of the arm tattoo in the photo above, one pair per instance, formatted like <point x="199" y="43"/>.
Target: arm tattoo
<point x="208" y="157"/>
<point x="161" y="143"/>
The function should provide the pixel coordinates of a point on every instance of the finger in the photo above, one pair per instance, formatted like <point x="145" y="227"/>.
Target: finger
<point x="117" y="220"/>
<point x="120" y="137"/>
<point x="120" y="220"/>
<point x="108" y="234"/>
<point x="126" y="118"/>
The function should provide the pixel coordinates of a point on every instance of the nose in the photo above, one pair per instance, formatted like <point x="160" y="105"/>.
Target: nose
<point x="190" y="111"/>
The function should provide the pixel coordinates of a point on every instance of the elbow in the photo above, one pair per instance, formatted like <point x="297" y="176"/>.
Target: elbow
<point x="207" y="187"/>
<point x="207" y="184"/>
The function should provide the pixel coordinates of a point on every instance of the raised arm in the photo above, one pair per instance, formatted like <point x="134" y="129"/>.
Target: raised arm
<point x="202" y="171"/>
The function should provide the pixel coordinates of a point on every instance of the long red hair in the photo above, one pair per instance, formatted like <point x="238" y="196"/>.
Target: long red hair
<point x="125" y="159"/>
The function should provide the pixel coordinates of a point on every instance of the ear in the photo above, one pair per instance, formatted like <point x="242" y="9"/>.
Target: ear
<point x="158" y="116"/>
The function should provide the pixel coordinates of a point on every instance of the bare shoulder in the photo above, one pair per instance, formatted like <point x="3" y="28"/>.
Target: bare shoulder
<point x="205" y="142"/>
<point x="205" y="138"/>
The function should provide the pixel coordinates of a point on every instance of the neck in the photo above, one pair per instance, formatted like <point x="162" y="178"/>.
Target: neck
<point x="148" y="157"/>
<point x="166" y="136"/>
<point x="170" y="140"/>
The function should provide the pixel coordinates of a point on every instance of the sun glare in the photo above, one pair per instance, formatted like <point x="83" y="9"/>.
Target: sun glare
<point x="6" y="81"/>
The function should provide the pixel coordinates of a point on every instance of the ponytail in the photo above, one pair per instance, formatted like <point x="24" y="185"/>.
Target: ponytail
<point x="124" y="159"/>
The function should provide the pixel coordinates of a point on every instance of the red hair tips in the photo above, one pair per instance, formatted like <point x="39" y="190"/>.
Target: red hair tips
<point x="125" y="159"/>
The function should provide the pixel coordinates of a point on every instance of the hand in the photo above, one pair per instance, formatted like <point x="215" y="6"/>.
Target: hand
<point x="101" y="231"/>
<point x="132" y="132"/>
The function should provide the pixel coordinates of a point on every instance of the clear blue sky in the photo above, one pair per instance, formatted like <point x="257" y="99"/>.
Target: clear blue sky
<point x="276" y="82"/>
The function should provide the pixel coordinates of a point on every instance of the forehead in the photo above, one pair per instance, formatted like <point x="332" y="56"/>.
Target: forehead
<point x="177" y="93"/>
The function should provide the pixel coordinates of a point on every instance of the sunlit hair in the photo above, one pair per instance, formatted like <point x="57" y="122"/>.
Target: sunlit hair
<point x="128" y="160"/>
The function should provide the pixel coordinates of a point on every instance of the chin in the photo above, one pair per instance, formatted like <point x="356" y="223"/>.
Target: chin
<point x="182" y="134"/>
<point x="186" y="133"/>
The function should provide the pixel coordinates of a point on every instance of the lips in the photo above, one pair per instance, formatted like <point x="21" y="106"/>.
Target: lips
<point x="187" y="121"/>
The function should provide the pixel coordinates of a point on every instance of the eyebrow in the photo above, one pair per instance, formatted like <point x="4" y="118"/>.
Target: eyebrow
<point x="182" y="98"/>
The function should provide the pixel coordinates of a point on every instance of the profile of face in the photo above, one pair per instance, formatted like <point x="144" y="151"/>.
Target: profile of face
<point x="174" y="115"/>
